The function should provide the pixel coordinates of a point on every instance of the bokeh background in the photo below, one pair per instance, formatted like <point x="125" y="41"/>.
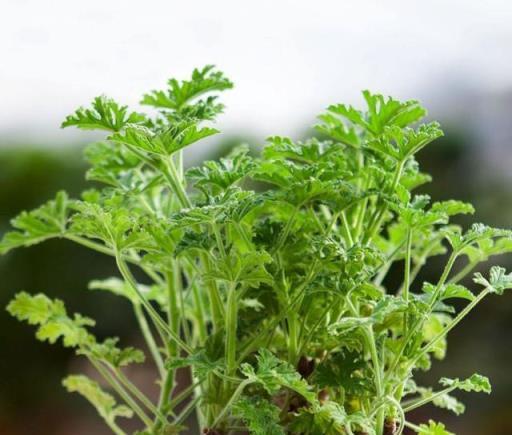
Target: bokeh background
<point x="289" y="60"/>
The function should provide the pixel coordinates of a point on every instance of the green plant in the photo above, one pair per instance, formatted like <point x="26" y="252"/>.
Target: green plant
<point x="264" y="276"/>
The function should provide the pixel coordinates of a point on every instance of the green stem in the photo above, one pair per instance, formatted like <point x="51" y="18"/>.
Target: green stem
<point x="450" y="326"/>
<point x="122" y="392"/>
<point x="148" y="337"/>
<point x="231" y="328"/>
<point x="378" y="377"/>
<point x="232" y="400"/>
<point x="159" y="322"/>
<point x="346" y="227"/>
<point x="138" y="394"/>
<point x="463" y="272"/>
<point x="426" y="400"/>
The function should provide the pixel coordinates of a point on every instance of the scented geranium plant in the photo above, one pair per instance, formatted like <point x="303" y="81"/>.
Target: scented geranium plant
<point x="263" y="276"/>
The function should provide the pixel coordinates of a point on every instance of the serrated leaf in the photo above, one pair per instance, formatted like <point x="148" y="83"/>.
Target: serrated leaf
<point x="104" y="403"/>
<point x="259" y="415"/>
<point x="105" y="114"/>
<point x="52" y="318"/>
<point x="178" y="94"/>
<point x="433" y="428"/>
<point x="498" y="281"/>
<point x="38" y="225"/>
<point x="274" y="374"/>
<point x="117" y="357"/>
<point x="475" y="382"/>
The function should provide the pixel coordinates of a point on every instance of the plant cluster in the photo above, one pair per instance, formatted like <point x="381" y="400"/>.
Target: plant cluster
<point x="263" y="276"/>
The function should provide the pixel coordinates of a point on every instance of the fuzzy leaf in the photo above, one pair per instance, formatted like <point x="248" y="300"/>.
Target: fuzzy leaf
<point x="36" y="226"/>
<point x="105" y="114"/>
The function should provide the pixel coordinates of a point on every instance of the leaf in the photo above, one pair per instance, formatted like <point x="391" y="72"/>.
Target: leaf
<point x="259" y="415"/>
<point x="347" y="369"/>
<point x="214" y="177"/>
<point x="498" y="280"/>
<point x="401" y="144"/>
<point x="105" y="114"/>
<point x="52" y="318"/>
<point x="120" y="288"/>
<point x="433" y="428"/>
<point x="104" y="403"/>
<point x="274" y="374"/>
<point x="178" y="94"/>
<point x="245" y="269"/>
<point x="199" y="361"/>
<point x="36" y="226"/>
<point x="478" y="233"/>
<point x="109" y="352"/>
<point x="449" y="291"/>
<point x="444" y="401"/>
<point x="475" y="382"/>
<point x="179" y="135"/>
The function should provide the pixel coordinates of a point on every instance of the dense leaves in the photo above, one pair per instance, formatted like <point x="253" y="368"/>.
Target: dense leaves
<point x="262" y="278"/>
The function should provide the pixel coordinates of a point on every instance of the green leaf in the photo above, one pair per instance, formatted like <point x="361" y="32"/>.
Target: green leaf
<point x="36" y="226"/>
<point x="105" y="114"/>
<point x="433" y="428"/>
<point x="475" y="382"/>
<point x="214" y="177"/>
<point x="179" y="94"/>
<point x="274" y="374"/>
<point x="449" y="291"/>
<point x="498" y="280"/>
<point x="245" y="269"/>
<point x="478" y="233"/>
<point x="109" y="352"/>
<point x="52" y="318"/>
<point x="259" y="415"/>
<point x="104" y="403"/>
<point x="444" y="401"/>
<point x="165" y="143"/>
<point x="347" y="369"/>
<point x="401" y="144"/>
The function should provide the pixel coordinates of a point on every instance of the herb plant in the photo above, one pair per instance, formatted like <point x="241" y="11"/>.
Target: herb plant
<point x="263" y="276"/>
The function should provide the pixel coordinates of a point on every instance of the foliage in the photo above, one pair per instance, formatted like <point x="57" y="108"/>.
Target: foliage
<point x="264" y="275"/>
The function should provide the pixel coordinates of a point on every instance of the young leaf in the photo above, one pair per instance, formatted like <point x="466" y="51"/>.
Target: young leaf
<point x="45" y="222"/>
<point x="179" y="94"/>
<point x="433" y="428"/>
<point x="273" y="374"/>
<point x="260" y="416"/>
<point x="105" y="114"/>
<point x="475" y="382"/>
<point x="498" y="280"/>
<point x="52" y="318"/>
<point x="104" y="403"/>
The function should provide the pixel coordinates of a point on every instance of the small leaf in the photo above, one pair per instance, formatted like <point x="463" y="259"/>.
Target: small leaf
<point x="475" y="382"/>
<point x="104" y="403"/>
<point x="498" y="280"/>
<point x="105" y="114"/>
<point x="38" y="225"/>
<point x="260" y="416"/>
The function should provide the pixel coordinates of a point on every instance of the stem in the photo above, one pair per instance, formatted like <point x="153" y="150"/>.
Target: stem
<point x="452" y="325"/>
<point x="346" y="227"/>
<point x="122" y="392"/>
<point x="148" y="337"/>
<point x="463" y="272"/>
<point x="232" y="400"/>
<point x="231" y="327"/>
<point x="378" y="377"/>
<point x="159" y="322"/>
<point x="138" y="394"/>
<point x="426" y="400"/>
<point x="407" y="271"/>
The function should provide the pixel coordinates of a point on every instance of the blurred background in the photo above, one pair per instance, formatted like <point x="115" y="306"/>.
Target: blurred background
<point x="289" y="60"/>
